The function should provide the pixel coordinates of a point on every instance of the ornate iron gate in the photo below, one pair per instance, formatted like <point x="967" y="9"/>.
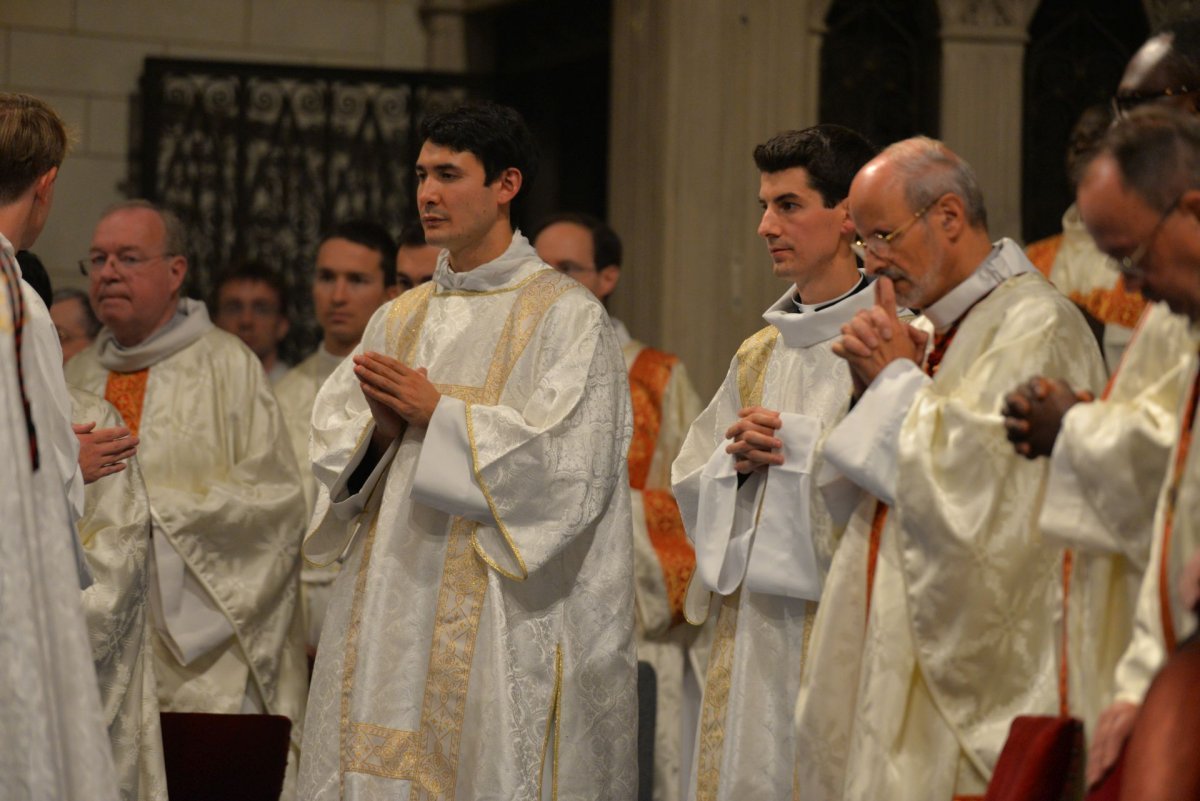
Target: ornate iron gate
<point x="258" y="159"/>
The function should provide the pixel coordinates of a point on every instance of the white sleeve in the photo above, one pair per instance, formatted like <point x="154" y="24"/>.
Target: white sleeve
<point x="342" y="502"/>
<point x="865" y="445"/>
<point x="445" y="477"/>
<point x="188" y="621"/>
<point x="783" y="560"/>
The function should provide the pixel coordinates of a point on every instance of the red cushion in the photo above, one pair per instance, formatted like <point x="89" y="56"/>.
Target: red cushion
<point x="1042" y="760"/>
<point x="212" y="757"/>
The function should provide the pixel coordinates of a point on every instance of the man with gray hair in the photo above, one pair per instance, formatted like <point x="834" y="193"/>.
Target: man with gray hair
<point x="944" y="564"/>
<point x="225" y="500"/>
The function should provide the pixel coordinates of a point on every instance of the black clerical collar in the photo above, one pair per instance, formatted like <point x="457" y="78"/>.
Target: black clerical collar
<point x="797" y="302"/>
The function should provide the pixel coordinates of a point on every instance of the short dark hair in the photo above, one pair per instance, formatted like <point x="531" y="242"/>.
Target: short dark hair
<point x="412" y="235"/>
<point x="1157" y="150"/>
<point x="494" y="134"/>
<point x="254" y="271"/>
<point x="91" y="325"/>
<point x="370" y="235"/>
<point x="1182" y="61"/>
<point x="606" y="245"/>
<point x="831" y="155"/>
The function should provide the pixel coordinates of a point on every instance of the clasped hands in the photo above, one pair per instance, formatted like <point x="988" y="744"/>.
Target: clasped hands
<point x="398" y="395"/>
<point x="876" y="337"/>
<point x="1033" y="414"/>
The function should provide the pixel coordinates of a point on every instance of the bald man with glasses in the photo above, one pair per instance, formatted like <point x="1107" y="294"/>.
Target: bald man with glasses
<point x="936" y="625"/>
<point x="1109" y="457"/>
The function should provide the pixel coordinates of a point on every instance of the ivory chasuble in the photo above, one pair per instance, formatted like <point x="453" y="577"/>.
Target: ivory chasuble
<point x="226" y="511"/>
<point x="939" y="622"/>
<point x="479" y="642"/>
<point x="115" y="532"/>
<point x="1109" y="461"/>
<point x="762" y="549"/>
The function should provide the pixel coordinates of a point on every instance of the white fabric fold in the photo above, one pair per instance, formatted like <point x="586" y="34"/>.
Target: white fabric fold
<point x="190" y="322"/>
<point x="188" y="621"/>
<point x="346" y="504"/>
<point x="445" y="476"/>
<point x="864" y="446"/>
<point x="724" y="526"/>
<point x="783" y="561"/>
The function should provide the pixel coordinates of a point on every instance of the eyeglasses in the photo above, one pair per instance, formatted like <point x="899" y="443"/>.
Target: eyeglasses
<point x="1131" y="265"/>
<point x="126" y="262"/>
<point x="1123" y="104"/>
<point x="881" y="244"/>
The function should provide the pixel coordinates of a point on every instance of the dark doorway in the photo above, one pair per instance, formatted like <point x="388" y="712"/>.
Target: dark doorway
<point x="550" y="59"/>
<point x="1076" y="55"/>
<point x="880" y="62"/>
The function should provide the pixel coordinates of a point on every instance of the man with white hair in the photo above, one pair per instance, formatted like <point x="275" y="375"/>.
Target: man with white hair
<point x="226" y="507"/>
<point x="944" y="566"/>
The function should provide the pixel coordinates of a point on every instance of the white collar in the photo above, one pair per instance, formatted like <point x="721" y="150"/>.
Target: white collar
<point x="818" y="325"/>
<point x="1005" y="261"/>
<point x="513" y="263"/>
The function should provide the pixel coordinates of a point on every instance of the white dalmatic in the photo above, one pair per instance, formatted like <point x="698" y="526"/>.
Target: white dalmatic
<point x="56" y="746"/>
<point x="479" y="643"/>
<point x="115" y="533"/>
<point x="763" y="545"/>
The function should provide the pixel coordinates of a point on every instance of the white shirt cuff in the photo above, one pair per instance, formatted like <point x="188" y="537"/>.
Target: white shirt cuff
<point x="445" y="477"/>
<point x="865" y="445"/>
<point x="345" y="505"/>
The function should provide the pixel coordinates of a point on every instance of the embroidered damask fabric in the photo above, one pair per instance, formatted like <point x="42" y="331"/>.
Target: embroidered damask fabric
<point x="56" y="745"/>
<point x="745" y="741"/>
<point x="225" y="493"/>
<point x="961" y="634"/>
<point x="467" y="660"/>
<point x="115" y="530"/>
<point x="1109" y="461"/>
<point x="1160" y="613"/>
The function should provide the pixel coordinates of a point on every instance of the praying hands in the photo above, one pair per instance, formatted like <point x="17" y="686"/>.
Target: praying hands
<point x="876" y="337"/>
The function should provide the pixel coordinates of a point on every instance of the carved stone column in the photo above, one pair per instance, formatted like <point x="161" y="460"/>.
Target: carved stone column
<point x="983" y="53"/>
<point x="446" y="34"/>
<point x="696" y="85"/>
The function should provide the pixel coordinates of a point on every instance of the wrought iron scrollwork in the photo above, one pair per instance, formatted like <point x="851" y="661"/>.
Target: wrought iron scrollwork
<point x="258" y="159"/>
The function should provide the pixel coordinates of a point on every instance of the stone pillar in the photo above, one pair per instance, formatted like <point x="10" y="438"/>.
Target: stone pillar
<point x="696" y="85"/>
<point x="446" y="34"/>
<point x="983" y="58"/>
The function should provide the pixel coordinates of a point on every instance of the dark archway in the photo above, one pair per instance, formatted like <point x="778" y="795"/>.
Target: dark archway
<point x="1076" y="54"/>
<point x="880" y="67"/>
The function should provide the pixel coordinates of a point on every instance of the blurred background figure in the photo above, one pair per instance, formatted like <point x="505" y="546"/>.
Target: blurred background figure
<point x="250" y="304"/>
<point x="74" y="320"/>
<point x="353" y="278"/>
<point x="415" y="260"/>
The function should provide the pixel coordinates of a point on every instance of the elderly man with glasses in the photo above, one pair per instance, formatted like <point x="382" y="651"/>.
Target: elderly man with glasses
<point x="937" y="622"/>
<point x="225" y="499"/>
<point x="1139" y="198"/>
<point x="1107" y="458"/>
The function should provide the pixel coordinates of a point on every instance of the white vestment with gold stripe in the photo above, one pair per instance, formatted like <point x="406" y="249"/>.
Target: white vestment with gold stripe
<point x="479" y="642"/>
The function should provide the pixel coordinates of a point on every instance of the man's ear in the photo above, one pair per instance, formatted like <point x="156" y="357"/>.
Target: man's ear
<point x="845" y="224"/>
<point x="43" y="184"/>
<point x="952" y="213"/>
<point x="508" y="184"/>
<point x="177" y="270"/>
<point x="1189" y="202"/>
<point x="607" y="280"/>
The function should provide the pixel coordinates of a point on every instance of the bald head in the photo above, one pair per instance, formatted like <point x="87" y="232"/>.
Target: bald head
<point x="1165" y="70"/>
<point x="918" y="210"/>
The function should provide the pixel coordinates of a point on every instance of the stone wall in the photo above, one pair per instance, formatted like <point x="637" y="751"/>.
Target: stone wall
<point x="84" y="57"/>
